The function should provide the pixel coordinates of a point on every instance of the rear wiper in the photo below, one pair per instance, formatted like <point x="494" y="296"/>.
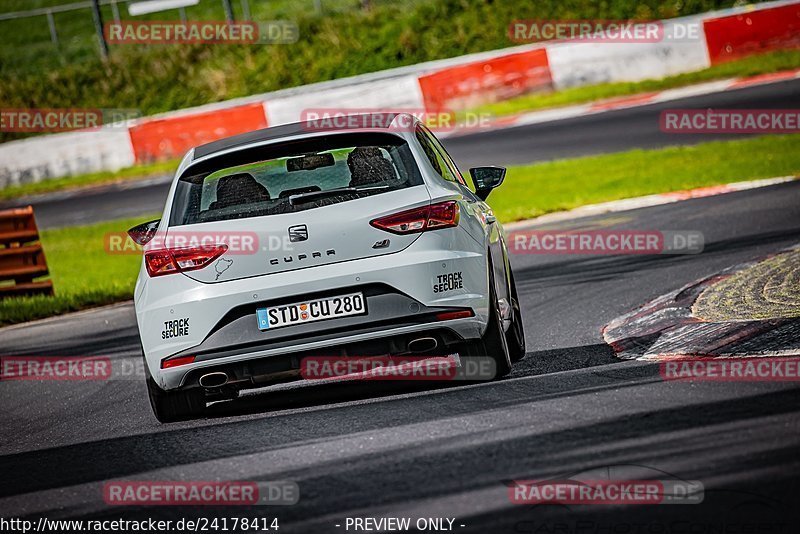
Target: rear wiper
<point x="304" y="198"/>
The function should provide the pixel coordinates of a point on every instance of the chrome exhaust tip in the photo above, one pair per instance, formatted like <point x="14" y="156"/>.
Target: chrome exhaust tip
<point x="422" y="344"/>
<point x="213" y="380"/>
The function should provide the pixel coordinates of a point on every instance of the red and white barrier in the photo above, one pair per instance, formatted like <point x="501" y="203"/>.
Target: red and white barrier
<point x="452" y="84"/>
<point x="171" y="136"/>
<point x="752" y="32"/>
<point x="584" y="63"/>
<point x="401" y="92"/>
<point x="500" y="78"/>
<point x="71" y="153"/>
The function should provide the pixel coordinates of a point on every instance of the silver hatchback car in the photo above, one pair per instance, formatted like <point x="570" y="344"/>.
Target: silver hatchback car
<point x="304" y="240"/>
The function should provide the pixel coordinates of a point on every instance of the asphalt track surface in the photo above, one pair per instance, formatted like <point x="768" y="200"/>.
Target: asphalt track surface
<point x="446" y="450"/>
<point x="611" y="131"/>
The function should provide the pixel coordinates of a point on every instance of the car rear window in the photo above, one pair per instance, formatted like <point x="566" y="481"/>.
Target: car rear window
<point x="294" y="176"/>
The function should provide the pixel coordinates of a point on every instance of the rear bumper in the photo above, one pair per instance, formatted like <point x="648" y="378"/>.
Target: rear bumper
<point x="258" y="369"/>
<point x="250" y="364"/>
<point x="238" y="333"/>
<point x="222" y="327"/>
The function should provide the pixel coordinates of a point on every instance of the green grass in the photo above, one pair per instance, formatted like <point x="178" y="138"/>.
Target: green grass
<point x="27" y="44"/>
<point x="532" y="190"/>
<point x="96" y="178"/>
<point x="84" y="275"/>
<point x="750" y="66"/>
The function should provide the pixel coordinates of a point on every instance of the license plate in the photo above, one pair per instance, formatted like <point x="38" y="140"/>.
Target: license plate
<point x="310" y="311"/>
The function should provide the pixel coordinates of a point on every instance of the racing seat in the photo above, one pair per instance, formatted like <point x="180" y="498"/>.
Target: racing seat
<point x="368" y="166"/>
<point x="236" y="189"/>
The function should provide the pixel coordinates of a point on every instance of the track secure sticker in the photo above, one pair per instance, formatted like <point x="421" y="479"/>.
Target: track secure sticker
<point x="176" y="328"/>
<point x="442" y="283"/>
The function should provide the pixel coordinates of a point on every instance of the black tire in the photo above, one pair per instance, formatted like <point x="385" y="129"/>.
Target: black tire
<point x="493" y="343"/>
<point x="515" y="336"/>
<point x="171" y="406"/>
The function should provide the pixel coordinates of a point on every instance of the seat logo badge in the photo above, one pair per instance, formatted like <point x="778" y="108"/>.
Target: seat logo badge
<point x="298" y="233"/>
<point x="381" y="244"/>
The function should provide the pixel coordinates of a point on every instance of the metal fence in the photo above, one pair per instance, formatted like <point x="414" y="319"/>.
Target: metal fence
<point x="48" y="12"/>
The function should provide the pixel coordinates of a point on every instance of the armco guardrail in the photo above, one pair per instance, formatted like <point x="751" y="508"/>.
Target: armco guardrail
<point x="452" y="83"/>
<point x="21" y="255"/>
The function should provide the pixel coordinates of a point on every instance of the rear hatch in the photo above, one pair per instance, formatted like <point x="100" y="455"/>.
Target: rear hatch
<point x="305" y="205"/>
<point x="335" y="233"/>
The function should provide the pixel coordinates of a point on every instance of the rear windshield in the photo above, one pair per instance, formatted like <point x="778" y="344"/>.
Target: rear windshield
<point x="295" y="176"/>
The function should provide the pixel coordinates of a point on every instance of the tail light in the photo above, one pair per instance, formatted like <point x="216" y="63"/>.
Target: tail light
<point x="177" y="260"/>
<point x="449" y="316"/>
<point x="433" y="217"/>
<point x="176" y="362"/>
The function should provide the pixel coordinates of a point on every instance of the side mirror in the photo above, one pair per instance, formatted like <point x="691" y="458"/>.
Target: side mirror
<point x="143" y="233"/>
<point x="486" y="179"/>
